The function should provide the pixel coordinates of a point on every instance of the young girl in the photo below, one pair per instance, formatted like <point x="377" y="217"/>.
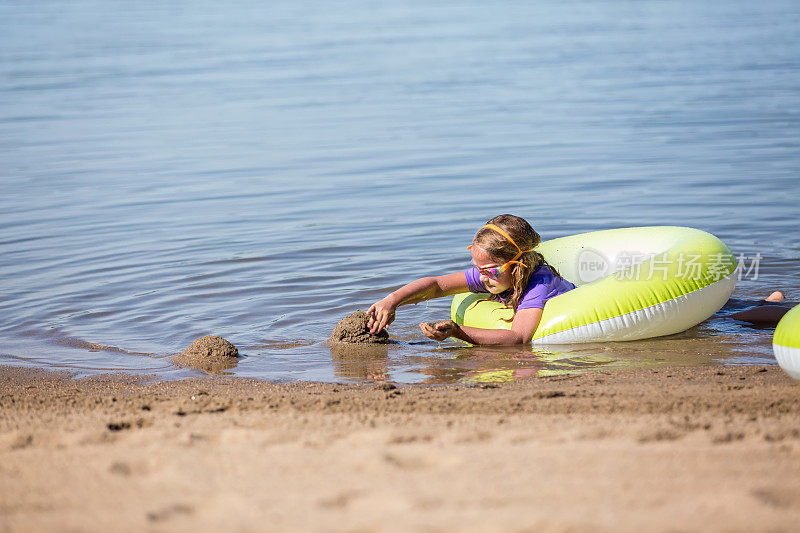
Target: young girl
<point x="505" y="264"/>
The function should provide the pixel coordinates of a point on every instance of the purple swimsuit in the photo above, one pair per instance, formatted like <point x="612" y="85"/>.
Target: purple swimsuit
<point x="542" y="285"/>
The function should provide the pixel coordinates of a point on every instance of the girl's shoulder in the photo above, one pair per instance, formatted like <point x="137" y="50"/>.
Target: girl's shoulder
<point x="543" y="284"/>
<point x="543" y="274"/>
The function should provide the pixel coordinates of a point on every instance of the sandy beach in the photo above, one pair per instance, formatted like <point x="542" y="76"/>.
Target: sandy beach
<point x="669" y="449"/>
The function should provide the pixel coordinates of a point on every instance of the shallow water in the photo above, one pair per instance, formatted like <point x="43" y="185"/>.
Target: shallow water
<point x="171" y="171"/>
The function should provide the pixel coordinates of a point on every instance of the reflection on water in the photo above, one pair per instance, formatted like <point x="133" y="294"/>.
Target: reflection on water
<point x="456" y="362"/>
<point x="173" y="170"/>
<point x="493" y="368"/>
<point x="361" y="362"/>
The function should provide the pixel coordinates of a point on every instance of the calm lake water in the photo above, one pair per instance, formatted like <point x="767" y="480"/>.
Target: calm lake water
<point x="259" y="170"/>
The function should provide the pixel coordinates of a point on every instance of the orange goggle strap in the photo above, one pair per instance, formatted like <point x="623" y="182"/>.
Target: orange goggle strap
<point x="502" y="232"/>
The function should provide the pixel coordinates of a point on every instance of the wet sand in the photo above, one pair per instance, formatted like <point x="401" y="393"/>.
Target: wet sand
<point x="668" y="449"/>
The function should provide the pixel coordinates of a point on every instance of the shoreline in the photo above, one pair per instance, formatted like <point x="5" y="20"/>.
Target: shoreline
<point x="712" y="448"/>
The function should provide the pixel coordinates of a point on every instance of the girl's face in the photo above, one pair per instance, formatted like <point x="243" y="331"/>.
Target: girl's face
<point x="482" y="259"/>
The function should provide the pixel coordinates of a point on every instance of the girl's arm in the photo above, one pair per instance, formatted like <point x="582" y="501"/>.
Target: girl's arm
<point x="522" y="329"/>
<point x="382" y="312"/>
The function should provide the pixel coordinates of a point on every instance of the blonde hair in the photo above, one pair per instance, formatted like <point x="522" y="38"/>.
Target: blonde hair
<point x="502" y="250"/>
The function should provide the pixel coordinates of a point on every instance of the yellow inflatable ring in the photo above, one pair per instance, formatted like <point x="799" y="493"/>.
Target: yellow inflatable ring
<point x="632" y="283"/>
<point x="786" y="342"/>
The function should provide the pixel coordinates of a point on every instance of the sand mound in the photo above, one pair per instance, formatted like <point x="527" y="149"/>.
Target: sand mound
<point x="353" y="329"/>
<point x="209" y="353"/>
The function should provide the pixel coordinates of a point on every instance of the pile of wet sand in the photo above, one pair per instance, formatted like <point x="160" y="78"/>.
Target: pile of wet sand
<point x="353" y="329"/>
<point x="209" y="353"/>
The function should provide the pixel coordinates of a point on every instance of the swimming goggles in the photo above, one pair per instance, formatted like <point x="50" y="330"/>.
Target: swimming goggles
<point x="491" y="272"/>
<point x="494" y="272"/>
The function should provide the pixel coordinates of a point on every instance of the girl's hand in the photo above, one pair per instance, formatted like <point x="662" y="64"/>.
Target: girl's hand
<point x="381" y="314"/>
<point x="440" y="330"/>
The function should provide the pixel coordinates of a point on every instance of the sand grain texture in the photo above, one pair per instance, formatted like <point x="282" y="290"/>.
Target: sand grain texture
<point x="685" y="449"/>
